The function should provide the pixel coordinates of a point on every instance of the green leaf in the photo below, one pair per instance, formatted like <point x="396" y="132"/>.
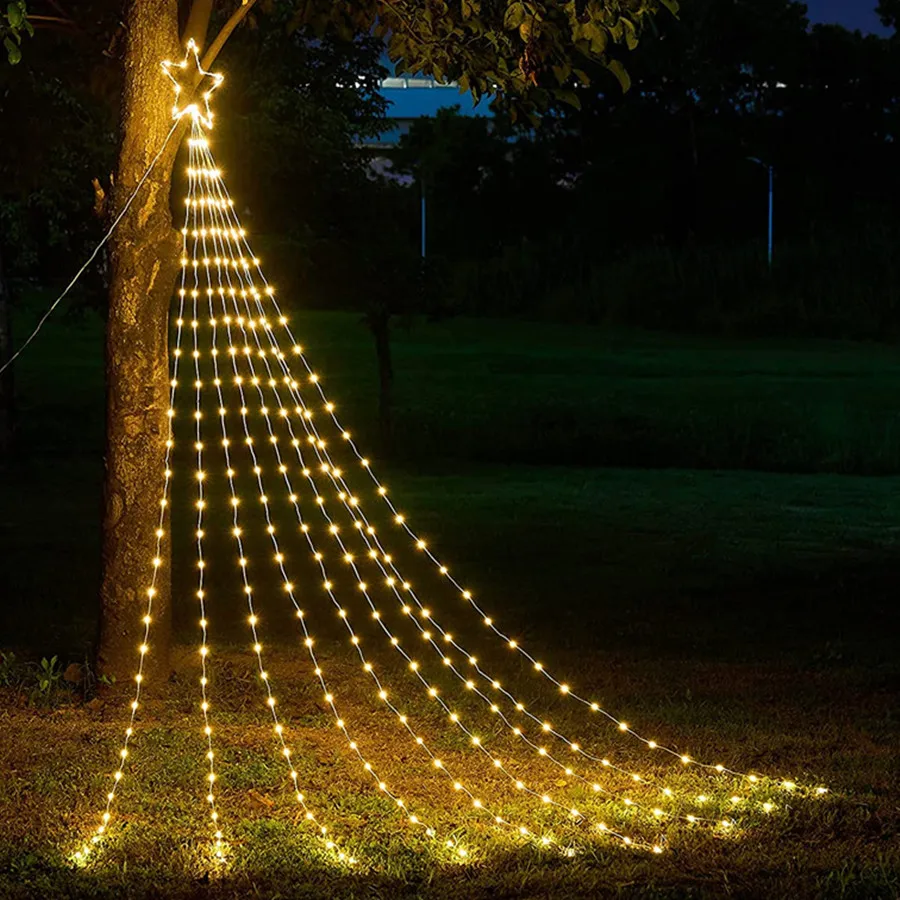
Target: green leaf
<point x="13" y="53"/>
<point x="597" y="35"/>
<point x="515" y="15"/>
<point x="15" y="15"/>
<point x="619" y="71"/>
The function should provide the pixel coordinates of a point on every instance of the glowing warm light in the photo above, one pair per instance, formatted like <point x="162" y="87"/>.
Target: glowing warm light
<point x="188" y="77"/>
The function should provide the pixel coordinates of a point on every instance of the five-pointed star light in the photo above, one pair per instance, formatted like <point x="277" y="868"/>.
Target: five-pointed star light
<point x="192" y="81"/>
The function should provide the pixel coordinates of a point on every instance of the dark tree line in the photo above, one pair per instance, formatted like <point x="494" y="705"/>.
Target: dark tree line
<point x="646" y="208"/>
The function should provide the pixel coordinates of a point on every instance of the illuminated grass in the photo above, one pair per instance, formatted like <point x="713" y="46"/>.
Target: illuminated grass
<point x="57" y="760"/>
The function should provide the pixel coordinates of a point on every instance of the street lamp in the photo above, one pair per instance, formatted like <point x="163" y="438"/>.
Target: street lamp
<point x="771" y="170"/>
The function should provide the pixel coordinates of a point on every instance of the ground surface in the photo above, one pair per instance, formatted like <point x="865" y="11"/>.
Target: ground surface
<point x="742" y="616"/>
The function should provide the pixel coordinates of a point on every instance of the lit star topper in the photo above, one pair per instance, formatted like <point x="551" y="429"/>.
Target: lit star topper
<point x="192" y="81"/>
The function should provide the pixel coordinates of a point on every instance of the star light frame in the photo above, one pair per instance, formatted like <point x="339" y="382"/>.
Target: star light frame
<point x="187" y="78"/>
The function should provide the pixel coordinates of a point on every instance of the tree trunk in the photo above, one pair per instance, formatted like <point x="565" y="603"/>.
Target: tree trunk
<point x="144" y="253"/>
<point x="379" y="322"/>
<point x="7" y="384"/>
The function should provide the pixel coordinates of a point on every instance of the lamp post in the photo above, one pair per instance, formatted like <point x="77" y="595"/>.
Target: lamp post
<point x="771" y="170"/>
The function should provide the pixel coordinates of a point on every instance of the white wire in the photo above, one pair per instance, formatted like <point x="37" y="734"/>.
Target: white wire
<point x="93" y="255"/>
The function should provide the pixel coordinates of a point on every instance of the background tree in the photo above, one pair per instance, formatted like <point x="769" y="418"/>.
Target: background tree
<point x="889" y="12"/>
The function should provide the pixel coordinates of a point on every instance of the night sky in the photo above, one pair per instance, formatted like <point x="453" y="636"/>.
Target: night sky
<point x="851" y="13"/>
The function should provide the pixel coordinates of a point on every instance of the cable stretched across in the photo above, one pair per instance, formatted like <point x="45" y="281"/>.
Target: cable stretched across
<point x="93" y="255"/>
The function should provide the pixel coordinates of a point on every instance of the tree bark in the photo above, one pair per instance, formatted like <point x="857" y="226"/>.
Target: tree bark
<point x="379" y="322"/>
<point x="144" y="254"/>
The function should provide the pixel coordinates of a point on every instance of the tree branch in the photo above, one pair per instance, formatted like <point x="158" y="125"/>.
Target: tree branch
<point x="236" y="18"/>
<point x="198" y="22"/>
<point x="51" y="20"/>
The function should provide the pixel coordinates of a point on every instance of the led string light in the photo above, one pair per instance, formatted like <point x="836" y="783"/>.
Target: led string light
<point x="511" y="643"/>
<point x="82" y="855"/>
<point x="399" y="802"/>
<point x="187" y="77"/>
<point x="234" y="232"/>
<point x="238" y="234"/>
<point x="210" y="175"/>
<point x="201" y="564"/>
<point x="347" y="556"/>
<point x="656" y="813"/>
<point x="264" y="676"/>
<point x="540" y="751"/>
<point x="392" y="580"/>
<point x="305" y="530"/>
<point x="478" y="804"/>
<point x="245" y="279"/>
<point x="278" y="728"/>
<point x="382" y="693"/>
<point x="273" y="440"/>
<point x="242" y="266"/>
<point x="364" y="529"/>
<point x="216" y="201"/>
<point x="458" y="785"/>
<point x="328" y="693"/>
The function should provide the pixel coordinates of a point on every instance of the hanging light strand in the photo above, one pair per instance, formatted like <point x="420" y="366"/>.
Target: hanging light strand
<point x="243" y="323"/>
<point x="430" y="689"/>
<point x="365" y="531"/>
<point x="219" y="266"/>
<point x="382" y="692"/>
<point x="323" y="831"/>
<point x="242" y="274"/>
<point x="237" y="233"/>
<point x="211" y="777"/>
<point x="232" y="231"/>
<point x="239" y="320"/>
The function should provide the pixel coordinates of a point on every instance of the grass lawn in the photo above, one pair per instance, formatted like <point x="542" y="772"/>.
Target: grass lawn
<point x="742" y="616"/>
